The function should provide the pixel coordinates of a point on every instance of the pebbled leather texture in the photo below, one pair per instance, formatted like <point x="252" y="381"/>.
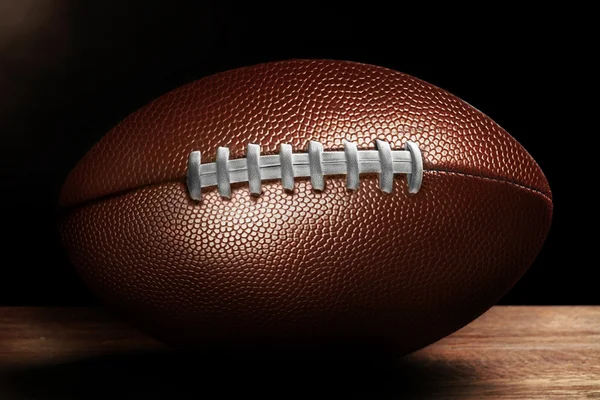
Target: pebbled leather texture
<point x="294" y="102"/>
<point x="392" y="272"/>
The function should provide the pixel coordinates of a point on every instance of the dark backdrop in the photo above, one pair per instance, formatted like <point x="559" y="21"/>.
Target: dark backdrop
<point x="70" y="70"/>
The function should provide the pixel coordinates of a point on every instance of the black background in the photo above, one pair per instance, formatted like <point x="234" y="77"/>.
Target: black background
<point x="70" y="70"/>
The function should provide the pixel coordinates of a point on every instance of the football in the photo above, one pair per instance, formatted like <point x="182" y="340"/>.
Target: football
<point x="304" y="204"/>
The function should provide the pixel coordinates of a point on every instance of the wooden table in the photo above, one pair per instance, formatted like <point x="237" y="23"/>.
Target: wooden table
<point x="508" y="353"/>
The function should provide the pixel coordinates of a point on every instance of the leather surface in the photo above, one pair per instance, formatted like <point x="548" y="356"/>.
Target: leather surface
<point x="364" y="269"/>
<point x="293" y="102"/>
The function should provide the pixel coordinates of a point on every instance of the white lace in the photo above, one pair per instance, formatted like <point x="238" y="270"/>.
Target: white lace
<point x="315" y="164"/>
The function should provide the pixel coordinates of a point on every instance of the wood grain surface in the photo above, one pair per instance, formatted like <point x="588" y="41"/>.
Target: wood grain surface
<point x="508" y="353"/>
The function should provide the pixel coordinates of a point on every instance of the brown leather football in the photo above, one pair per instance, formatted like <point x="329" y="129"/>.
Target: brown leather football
<point x="305" y="204"/>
